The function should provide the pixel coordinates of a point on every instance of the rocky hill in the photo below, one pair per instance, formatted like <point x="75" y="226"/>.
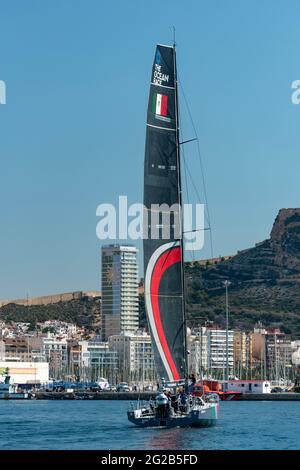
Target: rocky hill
<point x="83" y="311"/>
<point x="265" y="281"/>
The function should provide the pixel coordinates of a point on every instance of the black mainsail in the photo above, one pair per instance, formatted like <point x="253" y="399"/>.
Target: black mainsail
<point x="163" y="249"/>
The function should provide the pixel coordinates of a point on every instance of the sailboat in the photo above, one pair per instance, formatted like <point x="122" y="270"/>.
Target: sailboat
<point x="164" y="256"/>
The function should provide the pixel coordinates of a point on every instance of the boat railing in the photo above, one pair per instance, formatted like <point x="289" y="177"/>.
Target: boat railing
<point x="211" y="398"/>
<point x="132" y="406"/>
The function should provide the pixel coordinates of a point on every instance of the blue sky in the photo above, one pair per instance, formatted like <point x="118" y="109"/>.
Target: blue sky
<point x="72" y="132"/>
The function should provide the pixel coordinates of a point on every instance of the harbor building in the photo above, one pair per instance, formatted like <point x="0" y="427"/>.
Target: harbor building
<point x="278" y="354"/>
<point x="120" y="301"/>
<point x="14" y="349"/>
<point x="198" y="357"/>
<point x="136" y="359"/>
<point x="74" y="352"/>
<point x="26" y="373"/>
<point x="22" y="348"/>
<point x="98" y="360"/>
<point x="273" y="349"/>
<point x="216" y="348"/>
<point x="55" y="350"/>
<point x="242" y="353"/>
<point x="259" y="345"/>
<point x="247" y="386"/>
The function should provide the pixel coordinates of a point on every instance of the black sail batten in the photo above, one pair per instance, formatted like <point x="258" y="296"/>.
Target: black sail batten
<point x="163" y="250"/>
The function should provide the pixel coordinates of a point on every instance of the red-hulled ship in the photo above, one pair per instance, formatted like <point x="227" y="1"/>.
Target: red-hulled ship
<point x="207" y="386"/>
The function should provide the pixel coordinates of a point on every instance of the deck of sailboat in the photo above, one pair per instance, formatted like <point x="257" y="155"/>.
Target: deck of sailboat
<point x="192" y="419"/>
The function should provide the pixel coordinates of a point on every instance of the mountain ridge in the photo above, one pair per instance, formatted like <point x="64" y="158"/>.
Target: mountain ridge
<point x="265" y="281"/>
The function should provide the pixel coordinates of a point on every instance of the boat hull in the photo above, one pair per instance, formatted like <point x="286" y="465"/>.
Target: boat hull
<point x="197" y="417"/>
<point x="13" y="396"/>
<point x="228" y="396"/>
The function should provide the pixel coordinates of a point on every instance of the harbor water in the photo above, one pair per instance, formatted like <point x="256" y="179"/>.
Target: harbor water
<point x="84" y="424"/>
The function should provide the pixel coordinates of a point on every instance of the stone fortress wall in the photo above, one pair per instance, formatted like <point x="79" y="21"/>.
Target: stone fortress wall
<point x="51" y="299"/>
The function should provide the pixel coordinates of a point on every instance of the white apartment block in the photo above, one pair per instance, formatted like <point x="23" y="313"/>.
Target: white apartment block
<point x="98" y="360"/>
<point x="216" y="350"/>
<point x="136" y="359"/>
<point x="120" y="301"/>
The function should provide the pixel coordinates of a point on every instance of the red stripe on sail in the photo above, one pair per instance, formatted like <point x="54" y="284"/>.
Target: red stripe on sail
<point x="164" y="105"/>
<point x="164" y="262"/>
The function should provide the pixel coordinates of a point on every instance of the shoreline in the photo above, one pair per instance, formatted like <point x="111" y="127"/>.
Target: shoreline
<point x="287" y="396"/>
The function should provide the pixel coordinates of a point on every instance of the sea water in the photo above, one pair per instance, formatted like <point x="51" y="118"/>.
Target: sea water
<point x="101" y="424"/>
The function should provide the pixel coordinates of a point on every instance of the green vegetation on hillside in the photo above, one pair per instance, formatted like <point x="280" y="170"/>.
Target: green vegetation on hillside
<point x="84" y="313"/>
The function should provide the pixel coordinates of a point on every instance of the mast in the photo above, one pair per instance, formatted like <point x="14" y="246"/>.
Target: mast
<point x="181" y="212"/>
<point x="163" y="226"/>
<point x="276" y="358"/>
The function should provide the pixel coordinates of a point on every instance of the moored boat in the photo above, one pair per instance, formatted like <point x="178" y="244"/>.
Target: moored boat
<point x="207" y="387"/>
<point x="10" y="391"/>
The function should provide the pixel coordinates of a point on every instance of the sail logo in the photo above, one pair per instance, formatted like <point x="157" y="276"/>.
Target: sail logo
<point x="160" y="104"/>
<point x="296" y="94"/>
<point x="158" y="57"/>
<point x="159" y="222"/>
<point x="159" y="78"/>
<point x="2" y="92"/>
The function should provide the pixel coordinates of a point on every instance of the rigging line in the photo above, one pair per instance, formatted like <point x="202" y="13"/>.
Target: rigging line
<point x="192" y="181"/>
<point x="185" y="172"/>
<point x="197" y="230"/>
<point x="187" y="141"/>
<point x="200" y="162"/>
<point x="194" y="185"/>
<point x="186" y="182"/>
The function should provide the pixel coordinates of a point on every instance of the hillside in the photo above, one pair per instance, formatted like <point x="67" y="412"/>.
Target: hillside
<point x="265" y="281"/>
<point x="84" y="311"/>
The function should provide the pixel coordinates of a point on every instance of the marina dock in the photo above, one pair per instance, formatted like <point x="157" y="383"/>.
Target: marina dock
<point x="287" y="396"/>
<point x="94" y="395"/>
<point x="147" y="395"/>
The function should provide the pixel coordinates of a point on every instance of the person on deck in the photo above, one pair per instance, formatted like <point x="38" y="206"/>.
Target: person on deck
<point x="192" y="384"/>
<point x="163" y="406"/>
<point x="183" y="401"/>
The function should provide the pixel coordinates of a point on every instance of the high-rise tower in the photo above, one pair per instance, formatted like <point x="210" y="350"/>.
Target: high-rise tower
<point x="120" y="309"/>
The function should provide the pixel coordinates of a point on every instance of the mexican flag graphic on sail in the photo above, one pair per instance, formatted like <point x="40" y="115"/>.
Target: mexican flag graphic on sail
<point x="160" y="104"/>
